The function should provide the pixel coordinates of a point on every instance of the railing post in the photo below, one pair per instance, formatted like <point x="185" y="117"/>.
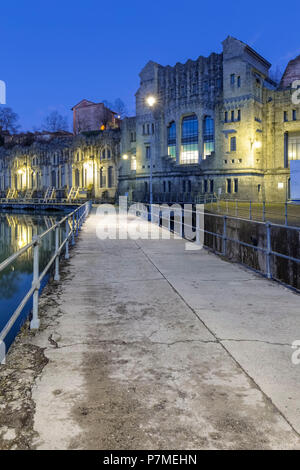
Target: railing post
<point x="197" y="227"/>
<point x="264" y="211"/>
<point x="286" y="213"/>
<point x="268" y="252"/>
<point x="73" y="229"/>
<point x="56" y="275"/>
<point x="77" y="221"/>
<point x="224" y="237"/>
<point x="67" y="256"/>
<point x="250" y="210"/>
<point x="35" y="322"/>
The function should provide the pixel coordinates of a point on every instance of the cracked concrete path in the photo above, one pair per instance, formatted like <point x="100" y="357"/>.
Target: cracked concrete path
<point x="155" y="347"/>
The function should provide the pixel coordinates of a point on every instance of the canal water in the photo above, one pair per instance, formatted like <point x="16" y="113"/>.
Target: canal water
<point x="16" y="230"/>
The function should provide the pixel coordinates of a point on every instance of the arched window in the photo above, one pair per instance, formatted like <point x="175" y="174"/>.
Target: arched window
<point x="108" y="153"/>
<point x="103" y="155"/>
<point x="189" y="140"/>
<point x="208" y="136"/>
<point x="172" y="140"/>
<point x="53" y="178"/>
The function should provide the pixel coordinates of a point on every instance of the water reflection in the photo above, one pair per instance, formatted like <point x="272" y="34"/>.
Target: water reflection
<point x="16" y="230"/>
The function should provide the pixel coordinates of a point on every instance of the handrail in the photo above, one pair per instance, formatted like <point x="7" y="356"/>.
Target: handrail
<point x="78" y="216"/>
<point x="164" y="214"/>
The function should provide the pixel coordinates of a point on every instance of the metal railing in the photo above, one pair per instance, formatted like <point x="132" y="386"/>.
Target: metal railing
<point x="72" y="222"/>
<point x="258" y="210"/>
<point x="158" y="214"/>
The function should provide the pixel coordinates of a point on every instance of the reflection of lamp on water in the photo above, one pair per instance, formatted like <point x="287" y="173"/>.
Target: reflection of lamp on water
<point x="23" y="237"/>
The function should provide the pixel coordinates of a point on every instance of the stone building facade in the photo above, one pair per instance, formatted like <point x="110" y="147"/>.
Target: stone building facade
<point x="216" y="126"/>
<point x="89" y="116"/>
<point x="67" y="166"/>
<point x="219" y="125"/>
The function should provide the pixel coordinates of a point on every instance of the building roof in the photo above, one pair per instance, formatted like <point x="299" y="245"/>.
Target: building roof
<point x="292" y="72"/>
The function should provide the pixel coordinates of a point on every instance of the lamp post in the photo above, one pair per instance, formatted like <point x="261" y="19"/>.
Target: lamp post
<point x="150" y="102"/>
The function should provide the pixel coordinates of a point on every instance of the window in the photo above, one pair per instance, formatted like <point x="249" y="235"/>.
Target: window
<point x="232" y="116"/>
<point x="258" y="188"/>
<point x="194" y="88"/>
<point x="228" y="181"/>
<point x="232" y="79"/>
<point x="148" y="152"/>
<point x="103" y="154"/>
<point x="293" y="140"/>
<point x="108" y="154"/>
<point x="239" y="115"/>
<point x="172" y="140"/>
<point x="208" y="137"/>
<point x="294" y="115"/>
<point x="169" y="186"/>
<point x="189" y="186"/>
<point x="152" y="127"/>
<point x="189" y="140"/>
<point x="132" y="136"/>
<point x="183" y="186"/>
<point x="110" y="177"/>
<point x="164" y="186"/>
<point x="211" y="186"/>
<point x="236" y="185"/>
<point x="205" y="186"/>
<point x="285" y="116"/>
<point x="239" y="82"/>
<point x="232" y="144"/>
<point x="102" y="178"/>
<point x="226" y="116"/>
<point x="133" y="164"/>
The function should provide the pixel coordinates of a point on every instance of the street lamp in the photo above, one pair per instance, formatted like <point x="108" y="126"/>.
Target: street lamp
<point x="151" y="101"/>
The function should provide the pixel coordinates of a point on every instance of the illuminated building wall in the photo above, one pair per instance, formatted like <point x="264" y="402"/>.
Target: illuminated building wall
<point x="88" y="161"/>
<point x="219" y="126"/>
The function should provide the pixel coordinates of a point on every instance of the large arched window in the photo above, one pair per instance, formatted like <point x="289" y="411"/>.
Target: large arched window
<point x="172" y="140"/>
<point x="208" y="136"/>
<point x="189" y="140"/>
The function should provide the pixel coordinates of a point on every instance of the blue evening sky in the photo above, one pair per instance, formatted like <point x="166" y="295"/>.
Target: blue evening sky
<point x="53" y="54"/>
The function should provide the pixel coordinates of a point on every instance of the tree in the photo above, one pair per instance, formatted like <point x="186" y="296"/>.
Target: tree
<point x="118" y="106"/>
<point x="8" y="120"/>
<point x="55" y="122"/>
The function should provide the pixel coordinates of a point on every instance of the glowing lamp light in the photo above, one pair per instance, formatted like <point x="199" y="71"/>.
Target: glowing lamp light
<point x="125" y="157"/>
<point x="20" y="172"/>
<point x="280" y="185"/>
<point x="151" y="100"/>
<point x="257" y="144"/>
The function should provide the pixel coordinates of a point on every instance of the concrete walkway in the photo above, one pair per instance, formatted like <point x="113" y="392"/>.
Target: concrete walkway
<point x="154" y="347"/>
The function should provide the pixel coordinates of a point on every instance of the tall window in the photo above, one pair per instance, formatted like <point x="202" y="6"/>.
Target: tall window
<point x="148" y="152"/>
<point x="172" y="140"/>
<point x="294" y="146"/>
<point x="110" y="177"/>
<point x="189" y="140"/>
<point x="102" y="178"/>
<point x="233" y="144"/>
<point x="208" y="137"/>
<point x="228" y="181"/>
